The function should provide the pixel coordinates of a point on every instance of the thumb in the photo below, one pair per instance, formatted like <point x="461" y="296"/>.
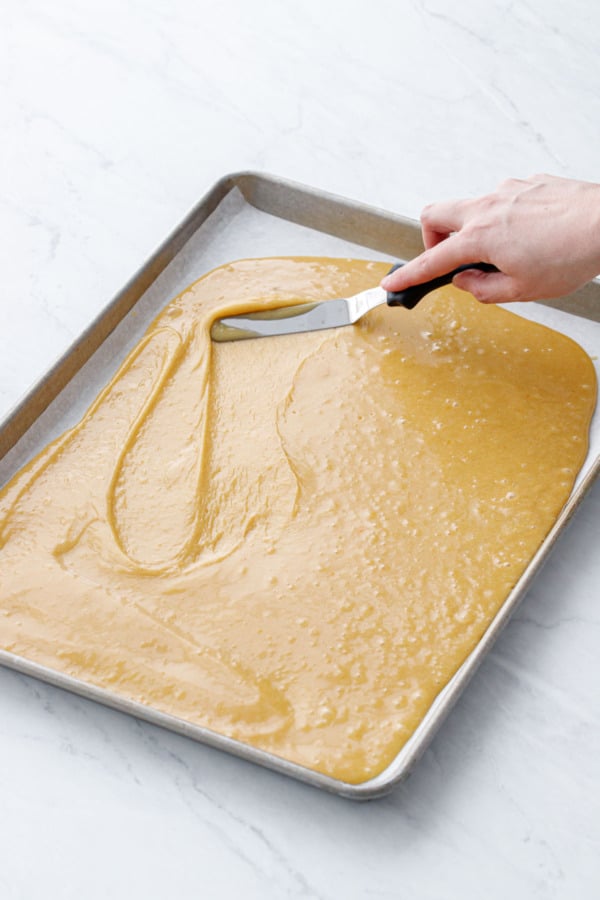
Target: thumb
<point x="487" y="287"/>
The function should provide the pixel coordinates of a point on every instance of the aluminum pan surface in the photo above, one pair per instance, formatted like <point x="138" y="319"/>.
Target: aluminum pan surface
<point x="223" y="227"/>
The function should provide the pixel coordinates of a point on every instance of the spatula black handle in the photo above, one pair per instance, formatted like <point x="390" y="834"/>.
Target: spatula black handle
<point x="411" y="296"/>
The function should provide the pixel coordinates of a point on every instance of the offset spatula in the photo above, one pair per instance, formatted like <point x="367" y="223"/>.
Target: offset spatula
<point x="329" y="313"/>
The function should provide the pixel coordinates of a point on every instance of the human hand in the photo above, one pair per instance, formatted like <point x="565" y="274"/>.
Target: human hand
<point x="542" y="233"/>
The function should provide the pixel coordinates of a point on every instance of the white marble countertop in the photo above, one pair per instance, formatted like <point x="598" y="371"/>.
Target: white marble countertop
<point x="115" y="118"/>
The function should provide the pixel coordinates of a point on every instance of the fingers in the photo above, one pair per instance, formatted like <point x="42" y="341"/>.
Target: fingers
<point x="439" y="260"/>
<point x="487" y="287"/>
<point x="431" y="237"/>
<point x="439" y="224"/>
<point x="439" y="220"/>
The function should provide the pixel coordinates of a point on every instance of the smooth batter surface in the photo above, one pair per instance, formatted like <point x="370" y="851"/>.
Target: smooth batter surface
<point x="296" y="541"/>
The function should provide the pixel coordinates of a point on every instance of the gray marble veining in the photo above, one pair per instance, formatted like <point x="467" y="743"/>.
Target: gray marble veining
<point x="115" y="117"/>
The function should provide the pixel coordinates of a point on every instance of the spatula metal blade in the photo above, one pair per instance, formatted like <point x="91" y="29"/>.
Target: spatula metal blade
<point x="296" y="319"/>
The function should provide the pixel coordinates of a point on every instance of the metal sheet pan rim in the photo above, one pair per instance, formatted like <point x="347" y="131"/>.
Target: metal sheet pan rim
<point x="41" y="394"/>
<point x="375" y="787"/>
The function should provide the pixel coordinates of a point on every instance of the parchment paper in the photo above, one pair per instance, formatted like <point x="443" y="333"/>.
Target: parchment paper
<point x="234" y="231"/>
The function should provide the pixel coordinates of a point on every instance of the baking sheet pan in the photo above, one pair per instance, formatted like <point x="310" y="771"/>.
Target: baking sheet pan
<point x="249" y="215"/>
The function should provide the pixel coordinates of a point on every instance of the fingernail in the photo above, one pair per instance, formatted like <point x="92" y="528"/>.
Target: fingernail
<point x="386" y="282"/>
